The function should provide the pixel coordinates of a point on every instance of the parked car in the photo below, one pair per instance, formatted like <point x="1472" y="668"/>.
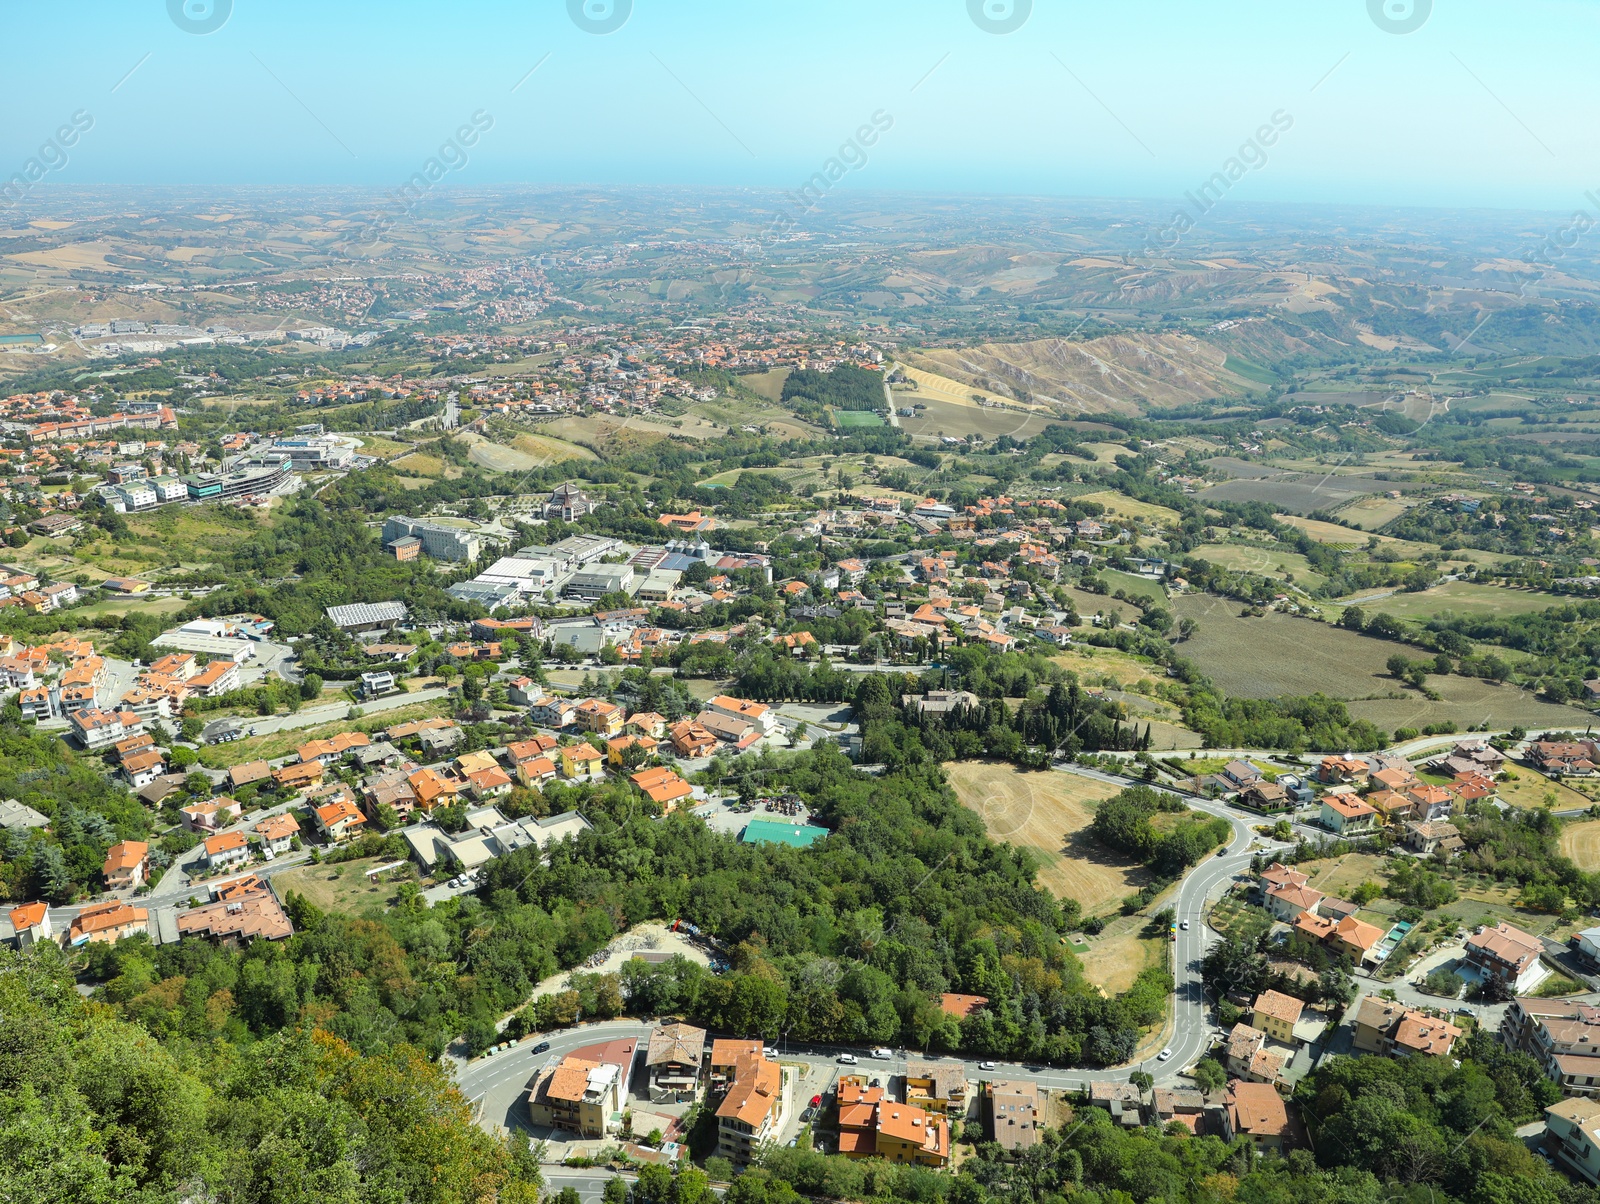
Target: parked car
<point x="847" y="1059"/>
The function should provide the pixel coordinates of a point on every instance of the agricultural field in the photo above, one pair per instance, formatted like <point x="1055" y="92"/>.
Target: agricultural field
<point x="342" y="887"/>
<point x="1134" y="587"/>
<point x="1464" y="598"/>
<point x="1128" y="508"/>
<point x="1050" y="813"/>
<point x="1303" y="492"/>
<point x="958" y="421"/>
<point x="767" y="384"/>
<point x="1371" y="513"/>
<point x="542" y="449"/>
<point x="1279" y="654"/>
<point x="1267" y="560"/>
<point x="1581" y="842"/>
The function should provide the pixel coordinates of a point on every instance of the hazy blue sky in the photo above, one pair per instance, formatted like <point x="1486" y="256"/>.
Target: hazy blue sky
<point x="1488" y="103"/>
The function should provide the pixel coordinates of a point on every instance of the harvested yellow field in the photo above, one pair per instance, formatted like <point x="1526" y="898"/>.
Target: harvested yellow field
<point x="1050" y="813"/>
<point x="1113" y="962"/>
<point x="1581" y="842"/>
<point x="551" y="450"/>
<point x="1126" y="507"/>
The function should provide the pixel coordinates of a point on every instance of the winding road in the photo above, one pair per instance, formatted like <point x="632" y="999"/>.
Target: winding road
<point x="497" y="1084"/>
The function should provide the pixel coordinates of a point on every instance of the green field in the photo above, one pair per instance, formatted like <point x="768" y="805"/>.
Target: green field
<point x="1266" y="560"/>
<point x="1462" y="598"/>
<point x="1249" y="370"/>
<point x="851" y="418"/>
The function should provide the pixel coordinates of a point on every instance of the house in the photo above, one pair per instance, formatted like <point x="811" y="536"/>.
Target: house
<point x="554" y="712"/>
<point x="338" y="820"/>
<point x="1267" y="797"/>
<point x="1277" y="874"/>
<point x="618" y="746"/>
<point x="1334" y="770"/>
<point x="142" y="768"/>
<point x="936" y="1087"/>
<point x="277" y="833"/>
<point x="763" y="718"/>
<point x="333" y="750"/>
<point x="1563" y="1035"/>
<point x="873" y="1126"/>
<point x="1393" y="1029"/>
<point x="1355" y="938"/>
<point x="490" y="783"/>
<point x="582" y="763"/>
<point x="663" y="786"/>
<point x="1392" y="778"/>
<point x="127" y="865"/>
<point x="378" y="682"/>
<point x="584" y="1092"/>
<point x="209" y="815"/>
<point x="249" y="772"/>
<point x="30" y="924"/>
<point x="1430" y="802"/>
<point x="647" y="723"/>
<point x="1276" y="1014"/>
<point x="1015" y="1114"/>
<point x="1241" y="774"/>
<point x="692" y="740"/>
<point x="1572" y="1135"/>
<point x="1506" y="954"/>
<point x="1247" y="1057"/>
<point x="673" y="1062"/>
<point x="1347" y="816"/>
<point x="753" y="1109"/>
<point x="108" y="922"/>
<point x="1123" y="1101"/>
<point x="299" y="777"/>
<point x="98" y="730"/>
<point x="1287" y="902"/>
<point x="602" y="718"/>
<point x="226" y="848"/>
<point x="1559" y="758"/>
<point x="1425" y="838"/>
<point x="1258" y="1113"/>
<point x="725" y="728"/>
<point x="524" y="691"/>
<point x="219" y="677"/>
<point x="536" y="772"/>
<point x="247" y="912"/>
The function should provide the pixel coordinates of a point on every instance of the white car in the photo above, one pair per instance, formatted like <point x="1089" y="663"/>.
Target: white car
<point x="846" y="1059"/>
<point x="1185" y="925"/>
<point x="986" y="1066"/>
<point x="882" y="1054"/>
<point x="769" y="1052"/>
<point x="1164" y="1054"/>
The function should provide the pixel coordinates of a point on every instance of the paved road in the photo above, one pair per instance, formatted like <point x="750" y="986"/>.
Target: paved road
<point x="499" y="1083"/>
<point x="1191" y="1027"/>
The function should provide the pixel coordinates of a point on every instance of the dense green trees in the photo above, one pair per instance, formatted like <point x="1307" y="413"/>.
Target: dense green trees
<point x="1158" y="829"/>
<point x="93" y="1109"/>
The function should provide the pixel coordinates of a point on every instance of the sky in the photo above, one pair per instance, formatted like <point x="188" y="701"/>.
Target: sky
<point x="1448" y="103"/>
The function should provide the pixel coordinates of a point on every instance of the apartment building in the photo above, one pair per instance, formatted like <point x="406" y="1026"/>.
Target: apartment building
<point x="754" y="1108"/>
<point x="1391" y="1028"/>
<point x="1506" y="953"/>
<point x="1572" y="1134"/>
<point x="1562" y="1035"/>
<point x="584" y="1092"/>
